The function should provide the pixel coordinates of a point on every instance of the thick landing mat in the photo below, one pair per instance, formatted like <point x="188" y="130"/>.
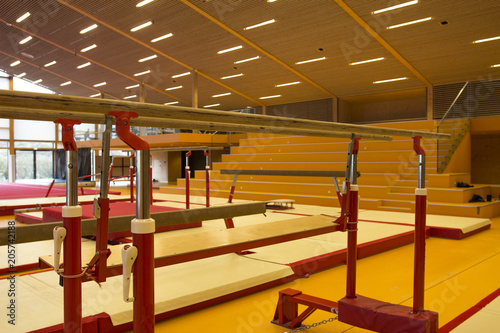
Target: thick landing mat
<point x="19" y="191"/>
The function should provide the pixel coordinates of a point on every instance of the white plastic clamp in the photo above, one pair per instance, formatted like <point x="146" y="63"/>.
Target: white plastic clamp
<point x="143" y="226"/>
<point x="129" y="254"/>
<point x="59" y="234"/>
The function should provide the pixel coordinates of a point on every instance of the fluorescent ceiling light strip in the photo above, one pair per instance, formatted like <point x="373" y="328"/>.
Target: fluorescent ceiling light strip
<point x="401" y="5"/>
<point x="174" y="88"/>
<point x="409" y="23"/>
<point x="87" y="29"/>
<point x="142" y="26"/>
<point x="211" y="105"/>
<point x="95" y="95"/>
<point x="390" y="80"/>
<point x="180" y="75"/>
<point x="267" y="97"/>
<point x="171" y="103"/>
<point x="161" y="37"/>
<point x="25" y="40"/>
<point x="260" y="24"/>
<point x="220" y="95"/>
<point x="84" y="65"/>
<point x="99" y="84"/>
<point x="15" y="63"/>
<point x="37" y="81"/>
<point x="486" y="40"/>
<point x="231" y="76"/>
<point x="310" y="60"/>
<point x="271" y="0"/>
<point x="88" y="48"/>
<point x="134" y="86"/>
<point x="366" y="61"/>
<point x="287" y="84"/>
<point x="142" y="73"/>
<point x="142" y="3"/>
<point x="148" y="58"/>
<point x="23" y="17"/>
<point x="248" y="59"/>
<point x="21" y="75"/>
<point x="497" y="65"/>
<point x="129" y="97"/>
<point x="65" y="83"/>
<point x="230" y="49"/>
<point x="50" y="63"/>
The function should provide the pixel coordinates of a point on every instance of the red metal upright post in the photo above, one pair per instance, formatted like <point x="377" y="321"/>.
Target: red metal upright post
<point x="142" y="227"/>
<point x="72" y="218"/>
<point x="188" y="174"/>
<point x="420" y="224"/>
<point x="352" y="223"/>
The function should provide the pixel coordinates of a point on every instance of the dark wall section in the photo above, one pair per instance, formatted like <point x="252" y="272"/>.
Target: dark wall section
<point x="84" y="161"/>
<point x="321" y="109"/>
<point x="485" y="159"/>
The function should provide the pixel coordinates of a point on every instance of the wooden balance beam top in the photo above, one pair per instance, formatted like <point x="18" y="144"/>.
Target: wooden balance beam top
<point x="299" y="173"/>
<point x="38" y="232"/>
<point x="183" y="248"/>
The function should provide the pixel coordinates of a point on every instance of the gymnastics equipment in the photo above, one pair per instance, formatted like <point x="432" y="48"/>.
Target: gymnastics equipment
<point x="358" y="310"/>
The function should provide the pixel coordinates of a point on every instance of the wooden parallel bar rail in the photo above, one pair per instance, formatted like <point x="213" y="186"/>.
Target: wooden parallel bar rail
<point x="299" y="173"/>
<point x="39" y="104"/>
<point x="43" y="231"/>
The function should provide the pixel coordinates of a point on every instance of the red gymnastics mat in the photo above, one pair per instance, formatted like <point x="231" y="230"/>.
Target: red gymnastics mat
<point x="19" y="191"/>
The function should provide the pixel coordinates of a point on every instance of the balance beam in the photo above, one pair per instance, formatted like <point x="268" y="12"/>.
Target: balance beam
<point x="298" y="173"/>
<point x="202" y="245"/>
<point x="38" y="232"/>
<point x="22" y="105"/>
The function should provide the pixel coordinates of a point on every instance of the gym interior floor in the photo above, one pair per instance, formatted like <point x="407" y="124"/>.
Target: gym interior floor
<point x="459" y="273"/>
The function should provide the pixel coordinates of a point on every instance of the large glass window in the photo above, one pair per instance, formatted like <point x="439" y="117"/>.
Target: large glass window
<point x="24" y="164"/>
<point x="4" y="157"/>
<point x="44" y="161"/>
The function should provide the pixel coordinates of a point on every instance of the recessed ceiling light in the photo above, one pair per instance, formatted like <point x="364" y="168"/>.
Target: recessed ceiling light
<point x="390" y="80"/>
<point x="220" y="95"/>
<point x="272" y="96"/>
<point x="83" y="65"/>
<point x="95" y="95"/>
<point x="65" y="83"/>
<point x="494" y="66"/>
<point x="486" y="40"/>
<point x="144" y="2"/>
<point x="99" y="84"/>
<point x="129" y="97"/>
<point x="23" y="17"/>
<point x="15" y="63"/>
<point x="260" y="24"/>
<point x="142" y="26"/>
<point x="271" y="0"/>
<point x="161" y="37"/>
<point x="287" y="84"/>
<point x="37" y="81"/>
<point x="248" y="59"/>
<point x="231" y="76"/>
<point x="401" y="5"/>
<point x="142" y="73"/>
<point x="230" y="49"/>
<point x="50" y="63"/>
<point x="409" y="23"/>
<point x="180" y="75"/>
<point x="25" y="40"/>
<point x="21" y="75"/>
<point x="171" y="103"/>
<point x="310" y="60"/>
<point x="88" y="48"/>
<point x="366" y="61"/>
<point x="174" y="88"/>
<point x="92" y="27"/>
<point x="148" y="58"/>
<point x="131" y="87"/>
<point x="211" y="105"/>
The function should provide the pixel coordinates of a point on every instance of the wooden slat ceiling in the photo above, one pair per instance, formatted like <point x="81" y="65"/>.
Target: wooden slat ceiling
<point x="427" y="52"/>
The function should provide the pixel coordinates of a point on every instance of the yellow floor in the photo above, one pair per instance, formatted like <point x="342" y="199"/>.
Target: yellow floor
<point x="459" y="273"/>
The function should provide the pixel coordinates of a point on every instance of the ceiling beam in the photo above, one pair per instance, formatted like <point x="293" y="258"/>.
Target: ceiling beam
<point x="54" y="73"/>
<point x="257" y="47"/>
<point x="382" y="41"/>
<point x="88" y="59"/>
<point x="163" y="54"/>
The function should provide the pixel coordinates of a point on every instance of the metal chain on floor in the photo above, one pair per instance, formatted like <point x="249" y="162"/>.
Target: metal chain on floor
<point x="306" y="327"/>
